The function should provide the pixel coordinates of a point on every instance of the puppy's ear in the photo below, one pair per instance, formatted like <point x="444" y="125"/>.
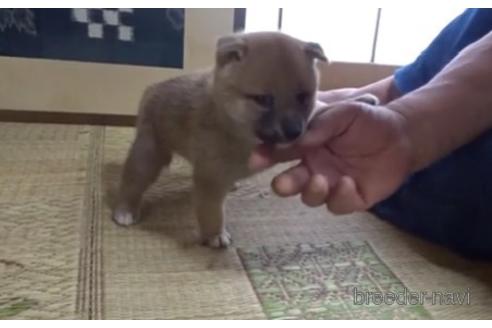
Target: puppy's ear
<point x="314" y="50"/>
<point x="230" y="49"/>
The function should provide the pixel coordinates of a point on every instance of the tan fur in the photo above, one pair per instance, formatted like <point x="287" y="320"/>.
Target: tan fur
<point x="209" y="118"/>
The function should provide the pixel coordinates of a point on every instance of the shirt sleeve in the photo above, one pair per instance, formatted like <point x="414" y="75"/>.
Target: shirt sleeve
<point x="465" y="29"/>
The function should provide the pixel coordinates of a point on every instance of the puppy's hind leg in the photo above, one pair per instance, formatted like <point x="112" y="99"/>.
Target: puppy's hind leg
<point x="143" y="165"/>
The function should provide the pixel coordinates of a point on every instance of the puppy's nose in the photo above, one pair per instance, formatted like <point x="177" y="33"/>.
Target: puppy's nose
<point x="269" y="136"/>
<point x="292" y="128"/>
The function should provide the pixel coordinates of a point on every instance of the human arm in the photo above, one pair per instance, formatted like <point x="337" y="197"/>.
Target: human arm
<point x="453" y="108"/>
<point x="355" y="155"/>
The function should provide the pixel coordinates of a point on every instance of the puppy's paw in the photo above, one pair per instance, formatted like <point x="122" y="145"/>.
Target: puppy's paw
<point x="222" y="240"/>
<point x="123" y="217"/>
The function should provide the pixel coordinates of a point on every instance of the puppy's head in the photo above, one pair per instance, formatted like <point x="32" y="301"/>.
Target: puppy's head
<point x="267" y="83"/>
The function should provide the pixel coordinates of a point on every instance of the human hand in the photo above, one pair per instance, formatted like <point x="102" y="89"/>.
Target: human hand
<point x="352" y="156"/>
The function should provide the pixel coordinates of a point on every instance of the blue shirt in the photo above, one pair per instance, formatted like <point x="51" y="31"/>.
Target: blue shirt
<point x="450" y="202"/>
<point x="465" y="29"/>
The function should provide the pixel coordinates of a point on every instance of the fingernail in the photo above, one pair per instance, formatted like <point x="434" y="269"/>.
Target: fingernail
<point x="283" y="185"/>
<point x="319" y="183"/>
<point x="257" y="162"/>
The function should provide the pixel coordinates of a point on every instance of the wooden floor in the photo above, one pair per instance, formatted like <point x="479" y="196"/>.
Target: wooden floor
<point x="66" y="118"/>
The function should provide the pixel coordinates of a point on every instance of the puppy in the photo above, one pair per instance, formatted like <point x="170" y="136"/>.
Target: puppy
<point x="261" y="90"/>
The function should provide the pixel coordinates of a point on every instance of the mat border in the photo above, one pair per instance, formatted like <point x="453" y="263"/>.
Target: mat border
<point x="90" y="287"/>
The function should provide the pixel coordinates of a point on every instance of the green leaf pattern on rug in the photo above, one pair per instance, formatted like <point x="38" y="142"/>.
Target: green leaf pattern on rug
<point x="13" y="306"/>
<point x="317" y="281"/>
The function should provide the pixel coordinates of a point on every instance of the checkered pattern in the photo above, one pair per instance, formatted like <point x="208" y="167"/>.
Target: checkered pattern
<point x="105" y="23"/>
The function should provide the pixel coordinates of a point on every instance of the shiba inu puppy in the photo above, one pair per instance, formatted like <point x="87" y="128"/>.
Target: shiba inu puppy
<point x="262" y="89"/>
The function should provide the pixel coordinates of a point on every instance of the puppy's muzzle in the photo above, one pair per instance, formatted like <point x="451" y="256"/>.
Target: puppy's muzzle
<point x="291" y="129"/>
<point x="285" y="131"/>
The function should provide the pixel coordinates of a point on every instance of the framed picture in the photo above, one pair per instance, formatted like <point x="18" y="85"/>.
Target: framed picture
<point x="99" y="60"/>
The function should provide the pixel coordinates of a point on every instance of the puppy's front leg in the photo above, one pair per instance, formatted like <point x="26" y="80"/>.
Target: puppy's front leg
<point x="208" y="198"/>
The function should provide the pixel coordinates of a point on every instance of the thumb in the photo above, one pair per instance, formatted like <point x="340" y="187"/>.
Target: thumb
<point x="328" y="123"/>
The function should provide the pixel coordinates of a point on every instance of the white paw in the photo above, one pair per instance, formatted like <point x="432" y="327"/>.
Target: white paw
<point x="123" y="217"/>
<point x="222" y="240"/>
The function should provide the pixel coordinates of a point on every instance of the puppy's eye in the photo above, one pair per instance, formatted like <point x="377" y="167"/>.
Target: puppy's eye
<point x="303" y="97"/>
<point x="265" y="100"/>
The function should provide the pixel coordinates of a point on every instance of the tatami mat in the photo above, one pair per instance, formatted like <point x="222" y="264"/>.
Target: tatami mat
<point x="62" y="257"/>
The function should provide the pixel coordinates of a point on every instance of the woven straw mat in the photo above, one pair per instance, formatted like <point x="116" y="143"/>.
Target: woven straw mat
<point x="62" y="257"/>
